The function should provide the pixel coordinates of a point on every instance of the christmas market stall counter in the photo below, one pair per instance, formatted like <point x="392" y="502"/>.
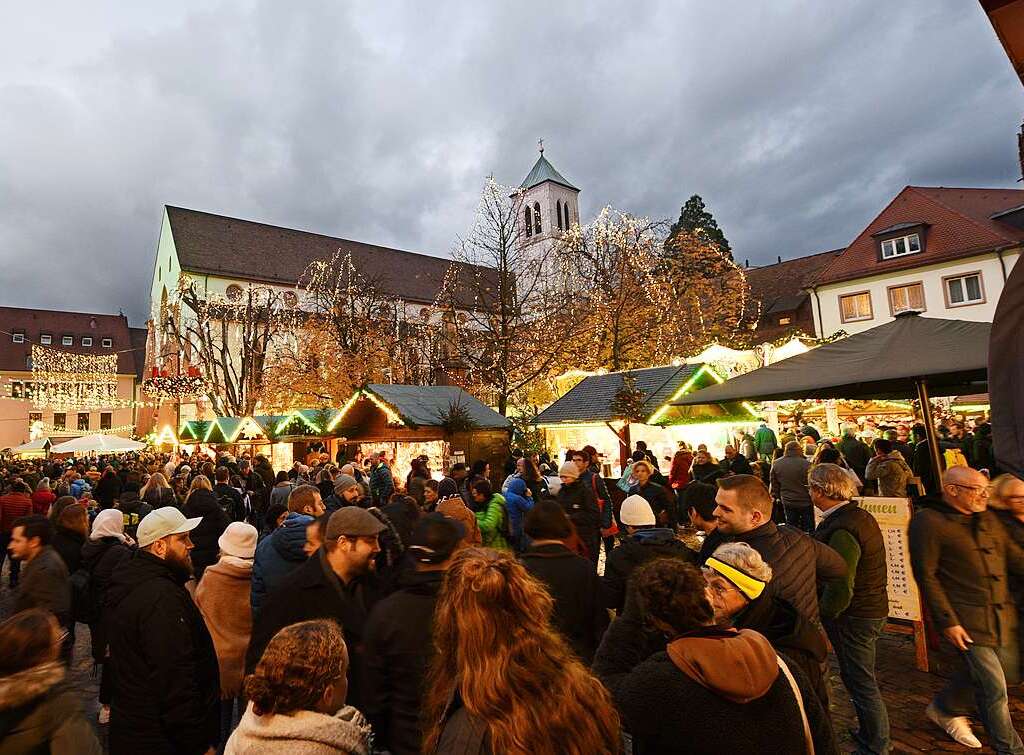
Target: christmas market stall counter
<point x="612" y="411"/>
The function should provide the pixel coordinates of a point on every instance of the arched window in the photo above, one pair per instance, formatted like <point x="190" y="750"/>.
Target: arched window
<point x="529" y="222"/>
<point x="558" y="213"/>
<point x="536" y="218"/>
<point x="566" y="208"/>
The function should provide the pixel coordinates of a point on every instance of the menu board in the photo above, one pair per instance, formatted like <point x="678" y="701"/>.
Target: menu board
<point x="893" y="517"/>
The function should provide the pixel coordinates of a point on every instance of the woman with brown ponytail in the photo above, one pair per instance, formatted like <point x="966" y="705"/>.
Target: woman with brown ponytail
<point x="502" y="679"/>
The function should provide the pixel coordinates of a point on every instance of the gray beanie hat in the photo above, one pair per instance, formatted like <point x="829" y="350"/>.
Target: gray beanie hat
<point x="343" y="482"/>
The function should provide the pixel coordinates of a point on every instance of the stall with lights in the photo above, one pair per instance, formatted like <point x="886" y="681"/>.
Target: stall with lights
<point x="612" y="411"/>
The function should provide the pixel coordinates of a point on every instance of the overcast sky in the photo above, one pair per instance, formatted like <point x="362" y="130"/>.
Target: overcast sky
<point x="378" y="121"/>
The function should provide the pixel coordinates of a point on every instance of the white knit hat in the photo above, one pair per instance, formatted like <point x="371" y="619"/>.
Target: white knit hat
<point x="636" y="512"/>
<point x="239" y="539"/>
<point x="569" y="469"/>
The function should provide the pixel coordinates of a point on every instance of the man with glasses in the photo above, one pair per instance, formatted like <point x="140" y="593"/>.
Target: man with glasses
<point x="962" y="557"/>
<point x="165" y="690"/>
<point x="337" y="582"/>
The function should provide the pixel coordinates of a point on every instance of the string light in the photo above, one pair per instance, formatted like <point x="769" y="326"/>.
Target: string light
<point x="65" y="380"/>
<point x="175" y="386"/>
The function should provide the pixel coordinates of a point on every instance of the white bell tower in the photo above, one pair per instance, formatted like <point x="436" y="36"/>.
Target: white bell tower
<point x="550" y="204"/>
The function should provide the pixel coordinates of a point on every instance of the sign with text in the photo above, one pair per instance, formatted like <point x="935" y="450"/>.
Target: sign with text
<point x="893" y="517"/>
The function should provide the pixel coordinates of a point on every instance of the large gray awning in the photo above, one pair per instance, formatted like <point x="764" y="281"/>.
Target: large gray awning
<point x="882" y="363"/>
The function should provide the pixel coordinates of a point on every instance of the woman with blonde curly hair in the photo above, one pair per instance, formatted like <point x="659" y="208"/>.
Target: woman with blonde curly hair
<point x="297" y="697"/>
<point x="502" y="679"/>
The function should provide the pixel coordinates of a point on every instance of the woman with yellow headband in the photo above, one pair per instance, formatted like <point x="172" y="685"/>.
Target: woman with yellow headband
<point x="736" y="576"/>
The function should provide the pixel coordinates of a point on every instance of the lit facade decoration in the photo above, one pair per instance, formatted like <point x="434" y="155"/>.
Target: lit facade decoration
<point x="65" y="380"/>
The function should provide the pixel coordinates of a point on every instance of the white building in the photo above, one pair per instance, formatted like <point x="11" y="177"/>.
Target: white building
<point x="945" y="252"/>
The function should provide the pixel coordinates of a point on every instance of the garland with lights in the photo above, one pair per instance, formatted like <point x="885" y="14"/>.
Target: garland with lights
<point x="65" y="380"/>
<point x="185" y="386"/>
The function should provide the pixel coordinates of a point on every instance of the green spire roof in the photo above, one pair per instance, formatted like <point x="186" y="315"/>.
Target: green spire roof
<point x="544" y="171"/>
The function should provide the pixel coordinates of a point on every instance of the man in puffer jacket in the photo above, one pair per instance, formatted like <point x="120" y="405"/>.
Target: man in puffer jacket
<point x="890" y="469"/>
<point x="645" y="541"/>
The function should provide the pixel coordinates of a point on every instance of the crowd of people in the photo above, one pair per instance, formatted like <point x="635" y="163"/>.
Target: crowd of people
<point x="337" y="608"/>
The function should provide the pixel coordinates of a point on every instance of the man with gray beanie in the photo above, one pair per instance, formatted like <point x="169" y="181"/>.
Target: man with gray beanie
<point x="337" y="582"/>
<point x="399" y="635"/>
<point x="347" y="492"/>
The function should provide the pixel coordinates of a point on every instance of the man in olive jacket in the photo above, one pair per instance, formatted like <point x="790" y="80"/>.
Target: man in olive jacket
<point x="961" y="556"/>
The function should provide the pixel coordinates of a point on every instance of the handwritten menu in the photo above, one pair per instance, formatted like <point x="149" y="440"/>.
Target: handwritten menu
<point x="893" y="517"/>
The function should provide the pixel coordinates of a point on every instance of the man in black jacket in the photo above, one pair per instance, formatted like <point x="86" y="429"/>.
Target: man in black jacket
<point x="229" y="498"/>
<point x="337" y="582"/>
<point x="579" y="612"/>
<point x="854" y="609"/>
<point x="644" y="542"/>
<point x="579" y="504"/>
<point x="744" y="514"/>
<point x="399" y="636"/>
<point x="165" y="680"/>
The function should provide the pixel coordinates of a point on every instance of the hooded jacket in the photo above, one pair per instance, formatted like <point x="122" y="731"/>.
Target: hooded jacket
<point x="635" y="550"/>
<point x="491" y="519"/>
<point x="399" y="638"/>
<point x="710" y="691"/>
<point x="40" y="712"/>
<point x="517" y="503"/>
<point x="205" y="536"/>
<point x="303" y="732"/>
<point x="277" y="556"/>
<point x="165" y="684"/>
<point x="892" y="472"/>
<point x="100" y="558"/>
<point x="223" y="599"/>
<point x="68" y="544"/>
<point x="578" y="502"/>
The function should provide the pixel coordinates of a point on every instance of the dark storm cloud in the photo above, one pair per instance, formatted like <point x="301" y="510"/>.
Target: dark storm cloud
<point x="797" y="121"/>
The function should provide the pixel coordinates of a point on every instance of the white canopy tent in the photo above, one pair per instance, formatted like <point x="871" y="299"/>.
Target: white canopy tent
<point x="37" y="447"/>
<point x="97" y="443"/>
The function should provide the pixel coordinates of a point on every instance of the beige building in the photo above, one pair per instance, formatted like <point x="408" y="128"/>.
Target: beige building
<point x="24" y="409"/>
<point x="944" y="252"/>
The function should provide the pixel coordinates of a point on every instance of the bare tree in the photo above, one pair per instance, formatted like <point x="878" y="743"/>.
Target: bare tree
<point x="501" y="300"/>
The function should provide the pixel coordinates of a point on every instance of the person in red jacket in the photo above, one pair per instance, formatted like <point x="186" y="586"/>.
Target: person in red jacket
<point x="43" y="498"/>
<point x="16" y="502"/>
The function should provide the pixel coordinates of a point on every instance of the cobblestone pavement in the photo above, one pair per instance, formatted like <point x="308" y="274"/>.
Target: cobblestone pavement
<point x="906" y="691"/>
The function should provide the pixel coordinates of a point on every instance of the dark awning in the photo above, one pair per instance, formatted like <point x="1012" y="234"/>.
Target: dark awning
<point x="884" y="362"/>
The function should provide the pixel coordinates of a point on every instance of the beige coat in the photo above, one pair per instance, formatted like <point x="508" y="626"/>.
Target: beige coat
<point x="454" y="508"/>
<point x="223" y="599"/>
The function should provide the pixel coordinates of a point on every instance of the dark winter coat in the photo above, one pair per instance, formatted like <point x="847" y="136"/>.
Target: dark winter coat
<point x="666" y="711"/>
<point x="856" y="453"/>
<point x="798" y="561"/>
<point x="206" y="552"/>
<point x="277" y="556"/>
<point x="157" y="498"/>
<point x="231" y="501"/>
<point x="165" y="682"/>
<point x="382" y="484"/>
<point x="107" y="491"/>
<point x="41" y="713"/>
<point x="962" y="563"/>
<point x="579" y="504"/>
<point x="788" y="478"/>
<point x="68" y="544"/>
<point x="738" y="464"/>
<point x="399" y="638"/>
<point x="44" y="584"/>
<point x="663" y="503"/>
<point x="314" y="591"/>
<point x="706" y="473"/>
<point x="579" y="614"/>
<point x="635" y="550"/>
<point x="100" y="558"/>
<point x="133" y="509"/>
<point x="1015" y="529"/>
<point x="790" y="634"/>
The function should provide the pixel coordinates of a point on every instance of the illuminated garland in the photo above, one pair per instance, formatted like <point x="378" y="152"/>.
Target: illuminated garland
<point x="63" y="379"/>
<point x="174" y="386"/>
<point x="47" y="428"/>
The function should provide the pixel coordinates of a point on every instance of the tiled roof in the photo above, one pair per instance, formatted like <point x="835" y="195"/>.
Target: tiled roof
<point x="425" y="405"/>
<point x="138" y="338"/>
<point x="776" y="285"/>
<point x="34" y="322"/>
<point x="959" y="224"/>
<point x="544" y="171"/>
<point x="591" y="399"/>
<point x="234" y="248"/>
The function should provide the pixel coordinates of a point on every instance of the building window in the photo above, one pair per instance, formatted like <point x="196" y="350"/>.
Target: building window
<point x="83" y="420"/>
<point x="909" y="296"/>
<point x="565" y="208"/>
<point x="34" y="417"/>
<point x="900" y="246"/>
<point x="18" y="336"/>
<point x="60" y="421"/>
<point x="87" y="340"/>
<point x="854" y="307"/>
<point x="536" y="218"/>
<point x="529" y="222"/>
<point x="964" y="290"/>
<point x="785" y="320"/>
<point x="45" y="339"/>
<point x="558" y="213"/>
<point x="106" y="420"/>
<point x="67" y="340"/>
<point x="106" y="343"/>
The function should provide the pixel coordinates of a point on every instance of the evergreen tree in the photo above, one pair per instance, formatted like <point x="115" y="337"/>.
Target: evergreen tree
<point x="694" y="218"/>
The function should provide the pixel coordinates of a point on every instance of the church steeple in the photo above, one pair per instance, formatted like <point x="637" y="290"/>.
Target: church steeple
<point x="550" y="202"/>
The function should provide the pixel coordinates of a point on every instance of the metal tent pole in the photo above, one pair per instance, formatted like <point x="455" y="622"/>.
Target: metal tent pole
<point x="929" y="428"/>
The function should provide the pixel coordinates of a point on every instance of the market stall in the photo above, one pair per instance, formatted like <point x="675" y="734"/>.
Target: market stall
<point x="97" y="443"/>
<point x="34" y="449"/>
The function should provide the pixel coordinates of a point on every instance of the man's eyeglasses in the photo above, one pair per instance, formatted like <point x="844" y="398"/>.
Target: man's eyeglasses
<point x="973" y="489"/>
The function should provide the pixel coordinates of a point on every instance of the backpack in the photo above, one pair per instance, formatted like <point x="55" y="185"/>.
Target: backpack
<point x="954" y="457"/>
<point x="234" y="511"/>
<point x="82" y="607"/>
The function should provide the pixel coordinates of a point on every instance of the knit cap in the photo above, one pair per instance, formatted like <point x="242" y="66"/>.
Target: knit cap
<point x="636" y="512"/>
<point x="239" y="539"/>
<point x="343" y="482"/>
<point x="569" y="469"/>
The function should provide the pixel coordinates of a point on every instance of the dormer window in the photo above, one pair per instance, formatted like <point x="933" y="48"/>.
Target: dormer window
<point x="45" y="339"/>
<point x="901" y="246"/>
<point x="67" y="340"/>
<point x="18" y="336"/>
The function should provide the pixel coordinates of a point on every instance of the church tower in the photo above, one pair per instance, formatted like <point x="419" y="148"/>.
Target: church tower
<point x="550" y="204"/>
